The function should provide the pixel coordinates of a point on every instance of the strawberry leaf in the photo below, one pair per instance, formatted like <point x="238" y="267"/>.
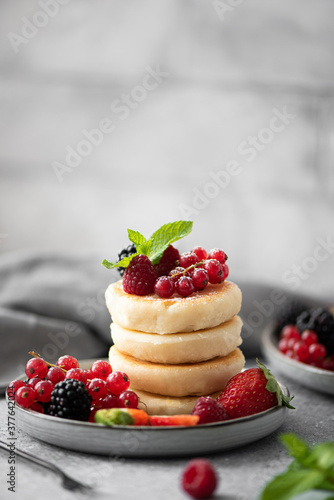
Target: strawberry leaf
<point x="273" y="386"/>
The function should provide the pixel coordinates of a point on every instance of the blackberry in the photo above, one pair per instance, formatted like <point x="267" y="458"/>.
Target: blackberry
<point x="288" y="314"/>
<point x="322" y="322"/>
<point x="126" y="252"/>
<point x="70" y="399"/>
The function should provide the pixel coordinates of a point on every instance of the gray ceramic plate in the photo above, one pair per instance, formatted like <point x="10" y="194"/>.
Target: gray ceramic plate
<point x="309" y="376"/>
<point x="149" y="441"/>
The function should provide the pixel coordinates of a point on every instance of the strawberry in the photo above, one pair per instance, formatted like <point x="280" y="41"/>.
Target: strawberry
<point x="187" y="420"/>
<point x="121" y="416"/>
<point x="252" y="391"/>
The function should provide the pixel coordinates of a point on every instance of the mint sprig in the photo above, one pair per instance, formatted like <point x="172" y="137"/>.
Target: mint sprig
<point x="311" y="469"/>
<point x="155" y="246"/>
<point x="273" y="386"/>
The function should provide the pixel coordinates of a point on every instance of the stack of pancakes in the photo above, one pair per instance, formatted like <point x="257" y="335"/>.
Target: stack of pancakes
<point x="177" y="349"/>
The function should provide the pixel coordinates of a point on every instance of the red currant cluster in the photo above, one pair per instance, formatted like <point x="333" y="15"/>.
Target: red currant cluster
<point x="107" y="388"/>
<point x="304" y="347"/>
<point x="194" y="271"/>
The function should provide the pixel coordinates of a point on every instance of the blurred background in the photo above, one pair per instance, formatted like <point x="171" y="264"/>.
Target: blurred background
<point x="120" y="115"/>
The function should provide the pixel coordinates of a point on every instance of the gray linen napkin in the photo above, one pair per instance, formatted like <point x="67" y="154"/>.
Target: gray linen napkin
<point x="52" y="303"/>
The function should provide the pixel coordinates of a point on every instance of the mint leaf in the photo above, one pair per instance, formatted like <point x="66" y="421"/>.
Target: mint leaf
<point x="136" y="237"/>
<point x="122" y="263"/>
<point x="291" y="483"/>
<point x="165" y="236"/>
<point x="296" y="447"/>
<point x="312" y="469"/>
<point x="156" y="245"/>
<point x="273" y="386"/>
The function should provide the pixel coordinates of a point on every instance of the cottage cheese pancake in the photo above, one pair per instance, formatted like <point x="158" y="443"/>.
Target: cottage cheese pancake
<point x="190" y="347"/>
<point x="188" y="379"/>
<point x="155" y="404"/>
<point x="203" y="309"/>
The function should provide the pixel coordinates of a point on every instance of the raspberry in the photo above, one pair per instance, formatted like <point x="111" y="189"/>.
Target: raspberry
<point x="139" y="277"/>
<point x="188" y="259"/>
<point x="218" y="254"/>
<point x="209" y="410"/>
<point x="164" y="287"/>
<point x="199" y="478"/>
<point x="168" y="260"/>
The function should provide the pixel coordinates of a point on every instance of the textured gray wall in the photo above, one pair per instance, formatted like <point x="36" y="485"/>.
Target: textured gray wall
<point x="217" y="111"/>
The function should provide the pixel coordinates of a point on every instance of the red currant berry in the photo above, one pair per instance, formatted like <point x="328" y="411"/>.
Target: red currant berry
<point x="25" y="396"/>
<point x="290" y="332"/>
<point x="177" y="273"/>
<point x="283" y="346"/>
<point x="43" y="391"/>
<point x="67" y="362"/>
<point x="55" y="375"/>
<point x="37" y="407"/>
<point x="218" y="254"/>
<point x="79" y="374"/>
<point x="200" y="278"/>
<point x="100" y="369"/>
<point x="97" y="388"/>
<point x="109" y="401"/>
<point x="164" y="287"/>
<point x="317" y="352"/>
<point x="291" y="343"/>
<point x="128" y="399"/>
<point x="215" y="271"/>
<point x="301" y="351"/>
<point x="199" y="478"/>
<point x="200" y="252"/>
<point x="118" y="382"/>
<point x="13" y="387"/>
<point x="36" y="367"/>
<point x="226" y="271"/>
<point x="309" y="337"/>
<point x="185" y="286"/>
<point x="33" y="381"/>
<point x="188" y="259"/>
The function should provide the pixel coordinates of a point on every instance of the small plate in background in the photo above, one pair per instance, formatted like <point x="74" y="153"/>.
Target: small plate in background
<point x="307" y="375"/>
